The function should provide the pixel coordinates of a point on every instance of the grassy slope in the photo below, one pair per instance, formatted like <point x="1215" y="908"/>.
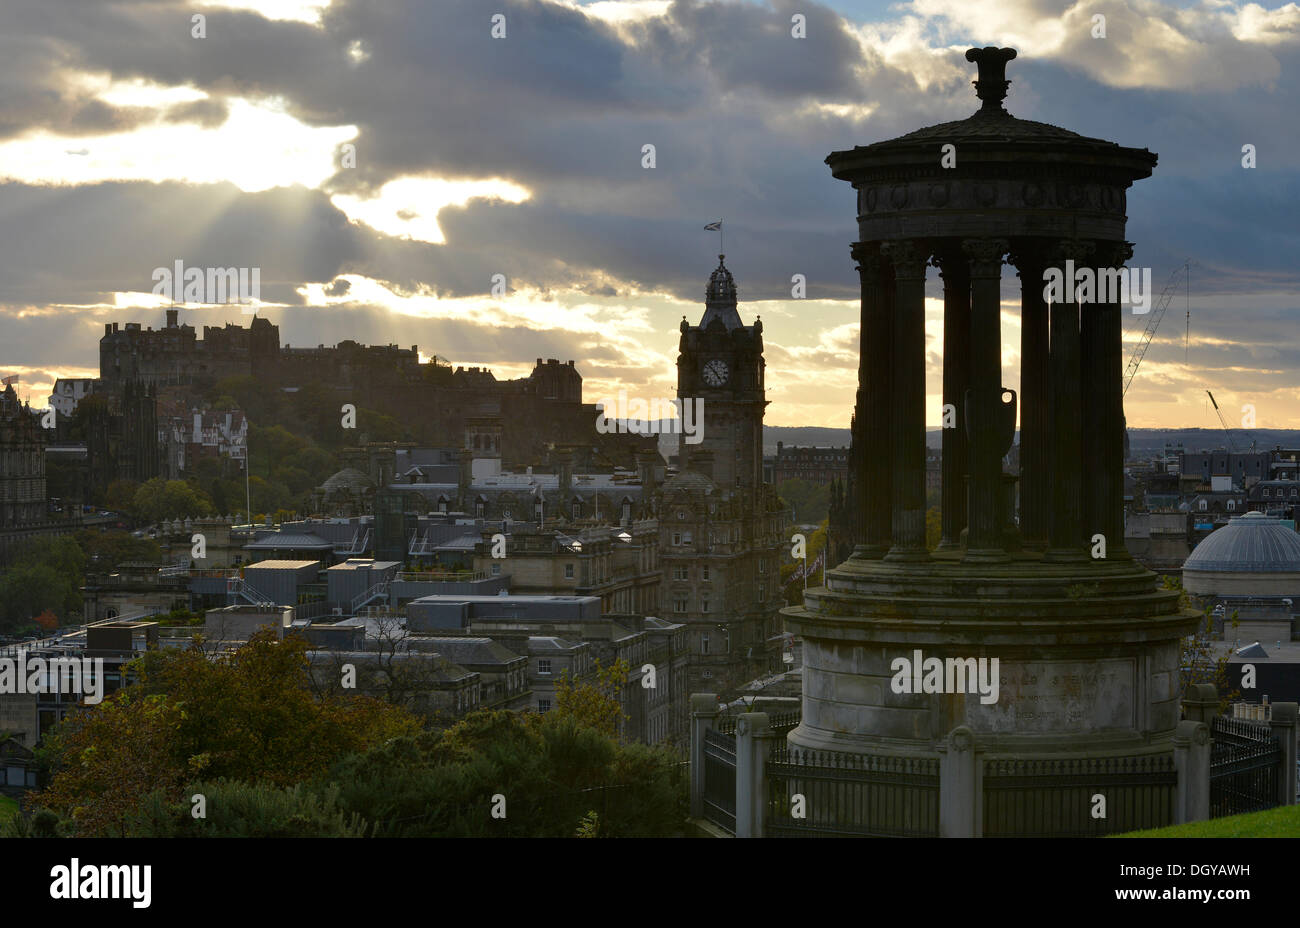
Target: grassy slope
<point x="1282" y="822"/>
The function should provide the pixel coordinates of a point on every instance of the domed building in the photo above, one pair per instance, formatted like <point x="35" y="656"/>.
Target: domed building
<point x="1253" y="555"/>
<point x="347" y="493"/>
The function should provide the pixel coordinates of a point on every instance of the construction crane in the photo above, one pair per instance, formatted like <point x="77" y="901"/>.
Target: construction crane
<point x="1140" y="351"/>
<point x="1222" y="422"/>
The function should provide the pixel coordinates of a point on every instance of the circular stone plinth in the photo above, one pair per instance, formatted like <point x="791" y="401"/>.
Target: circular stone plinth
<point x="1087" y="657"/>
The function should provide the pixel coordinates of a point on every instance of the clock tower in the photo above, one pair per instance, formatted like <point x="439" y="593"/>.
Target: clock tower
<point x="721" y="362"/>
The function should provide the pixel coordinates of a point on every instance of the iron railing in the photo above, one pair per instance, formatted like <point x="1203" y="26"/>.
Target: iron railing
<point x="1245" y="762"/>
<point x="720" y="779"/>
<point x="812" y="794"/>
<point x="1078" y="797"/>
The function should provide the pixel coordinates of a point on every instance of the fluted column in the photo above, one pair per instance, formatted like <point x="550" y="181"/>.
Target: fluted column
<point x="956" y="380"/>
<point x="1035" y="480"/>
<point x="1103" y="407"/>
<point x="873" y="465"/>
<point x="907" y="432"/>
<point x="1065" y="530"/>
<point x="988" y="431"/>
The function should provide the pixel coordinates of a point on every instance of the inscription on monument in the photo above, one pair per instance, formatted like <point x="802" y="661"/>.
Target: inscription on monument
<point x="1076" y="696"/>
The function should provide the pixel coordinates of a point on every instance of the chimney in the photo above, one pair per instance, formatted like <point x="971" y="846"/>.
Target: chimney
<point x="108" y="328"/>
<point x="647" y="462"/>
<point x="171" y="318"/>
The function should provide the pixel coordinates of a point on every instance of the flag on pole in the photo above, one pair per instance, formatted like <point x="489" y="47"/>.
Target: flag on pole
<point x="714" y="226"/>
<point x="11" y="379"/>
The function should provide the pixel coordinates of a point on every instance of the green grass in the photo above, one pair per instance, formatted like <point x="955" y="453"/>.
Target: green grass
<point x="1281" y="822"/>
<point x="7" y="808"/>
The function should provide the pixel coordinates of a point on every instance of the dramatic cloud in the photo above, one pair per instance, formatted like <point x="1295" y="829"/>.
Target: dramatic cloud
<point x="382" y="160"/>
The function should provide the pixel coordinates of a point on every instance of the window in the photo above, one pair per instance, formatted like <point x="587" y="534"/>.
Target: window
<point x="1265" y="494"/>
<point x="544" y="665"/>
<point x="679" y="604"/>
<point x="1232" y="504"/>
<point x="704" y="604"/>
<point x="543" y="705"/>
<point x="677" y="538"/>
<point x="442" y="505"/>
<point x="627" y="512"/>
<point x="762" y="567"/>
<point x="686" y="538"/>
<point x="704" y="642"/>
<point x="704" y="572"/>
<point x="496" y="570"/>
<point x="576" y="510"/>
<point x="568" y="571"/>
<point x="1205" y="505"/>
<point x="506" y="515"/>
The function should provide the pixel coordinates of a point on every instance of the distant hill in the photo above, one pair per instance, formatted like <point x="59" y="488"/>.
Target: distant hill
<point x="1139" y="439"/>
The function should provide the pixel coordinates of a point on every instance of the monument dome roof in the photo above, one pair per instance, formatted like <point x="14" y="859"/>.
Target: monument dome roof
<point x="1248" y="544"/>
<point x="349" y="479"/>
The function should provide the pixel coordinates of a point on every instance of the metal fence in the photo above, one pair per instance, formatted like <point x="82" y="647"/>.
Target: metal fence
<point x="1065" y="797"/>
<point x="720" y="779"/>
<point x="1245" y="761"/>
<point x="812" y="794"/>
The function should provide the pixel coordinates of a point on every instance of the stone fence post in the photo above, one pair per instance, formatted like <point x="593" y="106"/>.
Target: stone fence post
<point x="960" y="798"/>
<point x="1192" y="761"/>
<point x="753" y="742"/>
<point x="704" y="715"/>
<point x="1201" y="703"/>
<point x="1283" y="724"/>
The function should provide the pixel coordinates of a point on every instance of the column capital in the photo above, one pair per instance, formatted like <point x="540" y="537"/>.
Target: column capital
<point x="1071" y="249"/>
<point x="949" y="258"/>
<point x="909" y="257"/>
<point x="1029" y="256"/>
<point x="868" y="258"/>
<point x="985" y="255"/>
<point x="1113" y="254"/>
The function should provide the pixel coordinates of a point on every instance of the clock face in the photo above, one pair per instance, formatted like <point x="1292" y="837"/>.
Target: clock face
<point x="715" y="373"/>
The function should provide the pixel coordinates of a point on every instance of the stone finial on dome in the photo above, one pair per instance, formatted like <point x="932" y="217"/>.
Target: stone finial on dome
<point x="991" y="87"/>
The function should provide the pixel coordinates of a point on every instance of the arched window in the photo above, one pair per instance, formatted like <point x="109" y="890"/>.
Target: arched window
<point x="1204" y="505"/>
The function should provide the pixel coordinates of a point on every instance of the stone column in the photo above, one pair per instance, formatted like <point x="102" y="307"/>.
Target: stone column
<point x="907" y="431"/>
<point x="1103" y="403"/>
<point x="1192" y="761"/>
<point x="956" y="380"/>
<point x="873" y="465"/>
<point x="985" y="415"/>
<point x="1282" y="723"/>
<point x="960" y="799"/>
<point x="1035" y="480"/>
<point x="1065" y="529"/>
<point x="704" y="716"/>
<point x="752" y="745"/>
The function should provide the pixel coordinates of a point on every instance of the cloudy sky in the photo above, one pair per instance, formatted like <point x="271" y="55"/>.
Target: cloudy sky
<point x="128" y="143"/>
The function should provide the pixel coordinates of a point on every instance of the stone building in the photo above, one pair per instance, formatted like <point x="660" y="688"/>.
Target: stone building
<point x="24" y="509"/>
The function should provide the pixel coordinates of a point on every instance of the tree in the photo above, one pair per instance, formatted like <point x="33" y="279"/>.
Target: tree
<point x="247" y="716"/>
<point x="159" y="499"/>
<point x="596" y="701"/>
